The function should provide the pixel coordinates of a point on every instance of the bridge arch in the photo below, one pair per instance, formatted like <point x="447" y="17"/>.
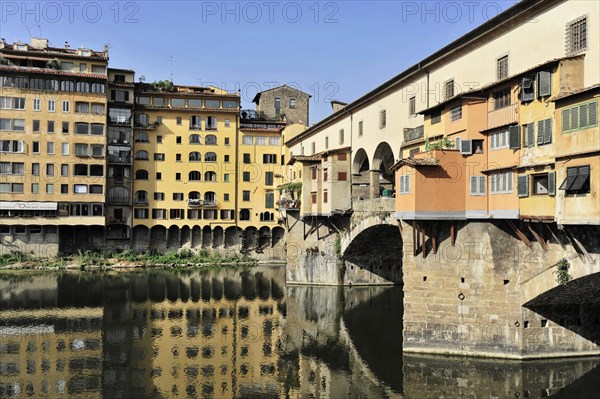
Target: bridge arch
<point x="361" y="162"/>
<point x="383" y="160"/>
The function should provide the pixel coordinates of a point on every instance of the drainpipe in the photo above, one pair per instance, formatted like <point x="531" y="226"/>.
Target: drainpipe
<point x="237" y="167"/>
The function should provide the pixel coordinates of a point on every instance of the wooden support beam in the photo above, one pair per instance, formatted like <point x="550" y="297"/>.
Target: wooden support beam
<point x="453" y="233"/>
<point x="558" y="240"/>
<point x="415" y="235"/>
<point x="579" y="245"/>
<point x="423" y="246"/>
<point x="537" y="236"/>
<point x="520" y="234"/>
<point x="434" y="237"/>
<point x="400" y="226"/>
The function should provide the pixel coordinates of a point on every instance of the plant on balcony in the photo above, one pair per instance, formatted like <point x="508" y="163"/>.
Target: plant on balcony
<point x="294" y="188"/>
<point x="53" y="64"/>
<point x="162" y="85"/>
<point x="286" y="203"/>
<point x="441" y="144"/>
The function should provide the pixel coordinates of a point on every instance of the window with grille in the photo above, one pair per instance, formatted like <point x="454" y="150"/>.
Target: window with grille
<point x="576" y="38"/>
<point x="411" y="106"/>
<point x="502" y="67"/>
<point x="449" y="89"/>
<point x="501" y="98"/>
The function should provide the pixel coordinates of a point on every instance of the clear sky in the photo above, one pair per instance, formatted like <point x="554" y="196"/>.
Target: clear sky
<point x="329" y="49"/>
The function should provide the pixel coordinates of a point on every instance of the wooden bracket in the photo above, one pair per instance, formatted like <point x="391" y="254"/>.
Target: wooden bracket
<point x="537" y="236"/>
<point x="520" y="234"/>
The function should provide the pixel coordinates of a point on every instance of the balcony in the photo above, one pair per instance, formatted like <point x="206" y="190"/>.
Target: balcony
<point x="194" y="203"/>
<point x="140" y="201"/>
<point x="116" y="159"/>
<point x="119" y="121"/>
<point x="502" y="117"/>
<point x="288" y="204"/>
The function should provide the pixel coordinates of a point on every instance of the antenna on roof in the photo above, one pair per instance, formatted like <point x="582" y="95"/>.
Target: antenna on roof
<point x="171" y="61"/>
<point x="28" y="31"/>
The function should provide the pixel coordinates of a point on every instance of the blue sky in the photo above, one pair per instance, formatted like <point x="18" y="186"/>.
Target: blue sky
<point x="329" y="49"/>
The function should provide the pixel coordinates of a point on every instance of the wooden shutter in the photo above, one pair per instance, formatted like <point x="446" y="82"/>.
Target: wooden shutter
<point x="514" y="138"/>
<point x="474" y="181"/>
<point x="540" y="134"/>
<point x="544" y="80"/>
<point x="530" y="135"/>
<point x="593" y="113"/>
<point x="407" y="183"/>
<point x="583" y="115"/>
<point x="526" y="89"/>
<point x="547" y="131"/>
<point x="566" y="125"/>
<point x="482" y="185"/>
<point x="574" y="118"/>
<point x="523" y="186"/>
<point x="552" y="183"/>
<point x="466" y="147"/>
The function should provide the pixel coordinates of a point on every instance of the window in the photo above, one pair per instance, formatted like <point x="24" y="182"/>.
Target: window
<point x="501" y="183"/>
<point x="412" y="106"/>
<point x="499" y="140"/>
<point x="50" y="188"/>
<point x="269" y="158"/>
<point x="341" y="136"/>
<point x="501" y="98"/>
<point x="210" y="139"/>
<point x="140" y="213"/>
<point x="50" y="147"/>
<point x="213" y="104"/>
<point x="477" y="185"/>
<point x="17" y="125"/>
<point x="141" y="154"/>
<point x="292" y="103"/>
<point x="65" y="127"/>
<point x="502" y="67"/>
<point x="527" y="89"/>
<point x="67" y="85"/>
<point x="360" y="128"/>
<point x="544" y="135"/>
<point x="195" y="139"/>
<point x="246" y="157"/>
<point x="326" y="142"/>
<point x="313" y="147"/>
<point x="247" y="140"/>
<point x="35" y="169"/>
<point x="313" y="197"/>
<point x="382" y="119"/>
<point x="65" y="148"/>
<point x="275" y="141"/>
<point x="178" y="102"/>
<point x="64" y="169"/>
<point x="226" y="177"/>
<point x="141" y="174"/>
<point x="210" y="157"/>
<point x="261" y="140"/>
<point x="577" y="181"/>
<point x="80" y="189"/>
<point x="577" y="36"/>
<point x="456" y="112"/>
<point x="82" y="128"/>
<point x="50" y="169"/>
<point x="177" y="196"/>
<point x="159" y="101"/>
<point x="195" y="122"/>
<point x="244" y="214"/>
<point x="195" y="156"/>
<point x="540" y="184"/>
<point x="159" y="196"/>
<point x="37" y="104"/>
<point x="404" y="184"/>
<point x="211" y="123"/>
<point x="580" y="117"/>
<point x="268" y="178"/>
<point x="35" y="188"/>
<point x="99" y="69"/>
<point x="269" y="200"/>
<point x="194" y="176"/>
<point x="82" y="87"/>
<point x="246" y="195"/>
<point x="230" y="104"/>
<point x="449" y="89"/>
<point x="159" y="156"/>
<point x="35" y="147"/>
<point x="176" y="213"/>
<point x="227" y="122"/>
<point x="142" y="137"/>
<point x="159" y="213"/>
<point x="159" y="139"/>
<point x="226" y="197"/>
<point x="277" y="105"/>
<point x="64" y="189"/>
<point x="66" y="106"/>
<point x="210" y="176"/>
<point x="342" y="176"/>
<point x="246" y="176"/>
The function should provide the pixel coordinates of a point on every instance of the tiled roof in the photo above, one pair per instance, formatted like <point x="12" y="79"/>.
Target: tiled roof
<point x="257" y="129"/>
<point x="57" y="52"/>
<point x="189" y="109"/>
<point x="48" y="71"/>
<point x="583" y="90"/>
<point x="488" y="170"/>
<point x="415" y="163"/>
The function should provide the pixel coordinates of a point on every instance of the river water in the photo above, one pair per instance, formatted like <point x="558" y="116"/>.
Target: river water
<point x="237" y="333"/>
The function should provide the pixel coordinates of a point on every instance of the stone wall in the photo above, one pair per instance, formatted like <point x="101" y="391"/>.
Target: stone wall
<point x="468" y="298"/>
<point x="292" y="115"/>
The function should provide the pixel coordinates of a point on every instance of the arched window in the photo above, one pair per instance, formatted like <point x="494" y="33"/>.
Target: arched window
<point x="142" y="137"/>
<point x="194" y="195"/>
<point x="210" y="176"/>
<point x="67" y="85"/>
<point x="210" y="198"/>
<point x="244" y="214"/>
<point x="195" y="156"/>
<point x="141" y="174"/>
<point x="141" y="154"/>
<point x="195" y="139"/>
<point x="210" y="139"/>
<point x="195" y="122"/>
<point x="141" y="197"/>
<point x="142" y="120"/>
<point x="211" y="123"/>
<point x="194" y="176"/>
<point x="83" y="87"/>
<point x="210" y="157"/>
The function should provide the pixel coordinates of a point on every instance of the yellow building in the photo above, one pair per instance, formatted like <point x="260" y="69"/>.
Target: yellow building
<point x="184" y="165"/>
<point x="53" y="146"/>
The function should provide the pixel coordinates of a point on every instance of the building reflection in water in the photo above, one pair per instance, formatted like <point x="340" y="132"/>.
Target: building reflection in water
<point x="221" y="334"/>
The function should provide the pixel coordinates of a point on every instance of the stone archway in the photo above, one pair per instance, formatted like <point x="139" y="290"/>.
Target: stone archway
<point x="140" y="238"/>
<point x="158" y="238"/>
<point x="383" y="160"/>
<point x="360" y="163"/>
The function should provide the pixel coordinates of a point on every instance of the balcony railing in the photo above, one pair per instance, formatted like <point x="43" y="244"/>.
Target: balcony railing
<point x="195" y="202"/>
<point x="140" y="201"/>
<point x="119" y="159"/>
<point x="502" y="117"/>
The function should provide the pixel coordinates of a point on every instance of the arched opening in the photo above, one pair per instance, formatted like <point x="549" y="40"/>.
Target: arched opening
<point x="218" y="237"/>
<point x="378" y="250"/>
<point x="158" y="238"/>
<point x="140" y="238"/>
<point x="206" y="236"/>
<point x="195" y="156"/>
<point x="141" y="174"/>
<point x="264" y="238"/>
<point x="383" y="160"/>
<point x="233" y="237"/>
<point x="249" y="239"/>
<point x="196" y="236"/>
<point x="278" y="235"/>
<point x="186" y="238"/>
<point x="361" y="162"/>
<point x="173" y="237"/>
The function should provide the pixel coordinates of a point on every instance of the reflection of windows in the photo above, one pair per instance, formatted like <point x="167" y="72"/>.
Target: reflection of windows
<point x="577" y="181"/>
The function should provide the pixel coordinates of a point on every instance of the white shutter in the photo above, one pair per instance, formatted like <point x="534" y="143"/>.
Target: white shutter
<point x="466" y="147"/>
<point x="482" y="185"/>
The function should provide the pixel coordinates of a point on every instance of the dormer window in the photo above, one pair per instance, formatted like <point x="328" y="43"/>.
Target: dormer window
<point x="85" y="52"/>
<point x="20" y="47"/>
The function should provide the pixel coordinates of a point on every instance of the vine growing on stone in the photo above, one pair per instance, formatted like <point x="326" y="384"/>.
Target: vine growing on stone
<point x="562" y="272"/>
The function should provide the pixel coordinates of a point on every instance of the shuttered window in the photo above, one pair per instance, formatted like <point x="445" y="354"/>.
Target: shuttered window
<point x="523" y="186"/>
<point x="544" y="79"/>
<point x="404" y="184"/>
<point x="582" y="116"/>
<point x="501" y="183"/>
<point x="544" y="134"/>
<point x="577" y="181"/>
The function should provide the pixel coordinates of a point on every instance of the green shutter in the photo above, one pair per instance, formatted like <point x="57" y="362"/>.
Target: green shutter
<point x="513" y="137"/>
<point x="547" y="131"/>
<point x="565" y="120"/>
<point x="575" y="118"/>
<point x="552" y="183"/>
<point x="540" y="134"/>
<point x="544" y="84"/>
<point x="523" y="186"/>
<point x="593" y="113"/>
<point x="583" y="115"/>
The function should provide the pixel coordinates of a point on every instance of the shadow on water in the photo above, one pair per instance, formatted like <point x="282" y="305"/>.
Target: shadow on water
<point x="239" y="334"/>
